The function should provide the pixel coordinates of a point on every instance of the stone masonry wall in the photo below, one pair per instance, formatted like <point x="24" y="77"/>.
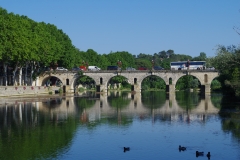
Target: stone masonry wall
<point x="23" y="90"/>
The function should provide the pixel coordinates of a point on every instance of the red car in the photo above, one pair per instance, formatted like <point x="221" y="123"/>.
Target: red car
<point x="83" y="68"/>
<point x="142" y="68"/>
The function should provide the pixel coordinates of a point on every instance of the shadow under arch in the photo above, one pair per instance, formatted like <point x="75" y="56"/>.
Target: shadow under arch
<point x="51" y="81"/>
<point x="153" y="99"/>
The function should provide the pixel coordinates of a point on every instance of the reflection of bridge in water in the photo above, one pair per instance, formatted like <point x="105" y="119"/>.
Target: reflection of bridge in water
<point x="61" y="107"/>
<point x="170" y="109"/>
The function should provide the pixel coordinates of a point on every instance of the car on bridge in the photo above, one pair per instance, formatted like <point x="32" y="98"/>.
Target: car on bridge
<point x="130" y="69"/>
<point x="210" y="68"/>
<point x="93" y="68"/>
<point x="142" y="68"/>
<point x="158" y="68"/>
<point x="76" y="69"/>
<point x="61" y="69"/>
<point x="112" y="67"/>
<point x="83" y="68"/>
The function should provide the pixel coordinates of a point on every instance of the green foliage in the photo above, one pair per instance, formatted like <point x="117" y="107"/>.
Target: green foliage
<point x="216" y="85"/>
<point x="153" y="83"/>
<point x="194" y="83"/>
<point x="201" y="57"/>
<point x="143" y="63"/>
<point x="80" y="73"/>
<point x="123" y="81"/>
<point x="187" y="82"/>
<point x="85" y="80"/>
<point x="81" y="89"/>
<point x="227" y="62"/>
<point x="60" y="90"/>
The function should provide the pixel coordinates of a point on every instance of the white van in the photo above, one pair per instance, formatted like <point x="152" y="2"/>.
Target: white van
<point x="93" y="68"/>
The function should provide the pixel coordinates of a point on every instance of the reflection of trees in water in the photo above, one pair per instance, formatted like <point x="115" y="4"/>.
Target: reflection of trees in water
<point x="188" y="100"/>
<point x="84" y="103"/>
<point x="118" y="99"/>
<point x="230" y="114"/>
<point x="153" y="99"/>
<point x="32" y="134"/>
<point x="232" y="124"/>
<point x="52" y="103"/>
<point x="216" y="99"/>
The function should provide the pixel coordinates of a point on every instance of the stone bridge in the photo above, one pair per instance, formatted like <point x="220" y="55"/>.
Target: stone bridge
<point x="135" y="78"/>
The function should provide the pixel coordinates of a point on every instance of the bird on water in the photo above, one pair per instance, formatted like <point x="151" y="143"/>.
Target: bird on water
<point x="181" y="148"/>
<point x="126" y="149"/>
<point x="208" y="155"/>
<point x="199" y="153"/>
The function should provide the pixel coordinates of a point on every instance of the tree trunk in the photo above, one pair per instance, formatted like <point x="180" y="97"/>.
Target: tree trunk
<point x="5" y="74"/>
<point x="14" y="76"/>
<point x="20" y="76"/>
<point x="25" y="76"/>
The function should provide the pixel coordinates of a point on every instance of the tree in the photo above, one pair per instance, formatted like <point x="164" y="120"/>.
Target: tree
<point x="227" y="62"/>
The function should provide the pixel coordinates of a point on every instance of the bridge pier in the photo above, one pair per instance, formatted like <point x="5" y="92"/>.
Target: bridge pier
<point x="170" y="88"/>
<point x="136" y="88"/>
<point x="101" y="88"/>
<point x="205" y="89"/>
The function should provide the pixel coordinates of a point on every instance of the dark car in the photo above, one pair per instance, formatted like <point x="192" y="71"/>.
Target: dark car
<point x="112" y="68"/>
<point x="76" y="69"/>
<point x="142" y="68"/>
<point x="158" y="68"/>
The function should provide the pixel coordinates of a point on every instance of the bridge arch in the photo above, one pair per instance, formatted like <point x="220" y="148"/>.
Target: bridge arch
<point x="74" y="81"/>
<point x="152" y="79"/>
<point x="135" y="78"/>
<point x="52" y="81"/>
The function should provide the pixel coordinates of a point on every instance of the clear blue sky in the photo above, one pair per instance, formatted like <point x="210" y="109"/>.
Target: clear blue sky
<point x="138" y="26"/>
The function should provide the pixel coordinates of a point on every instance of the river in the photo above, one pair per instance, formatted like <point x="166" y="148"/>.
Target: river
<point x="151" y="125"/>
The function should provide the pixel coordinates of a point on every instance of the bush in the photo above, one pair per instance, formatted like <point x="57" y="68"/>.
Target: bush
<point x="216" y="85"/>
<point x="81" y="89"/>
<point x="60" y="90"/>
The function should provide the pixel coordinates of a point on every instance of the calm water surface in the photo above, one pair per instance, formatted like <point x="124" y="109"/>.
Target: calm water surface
<point x="91" y="127"/>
